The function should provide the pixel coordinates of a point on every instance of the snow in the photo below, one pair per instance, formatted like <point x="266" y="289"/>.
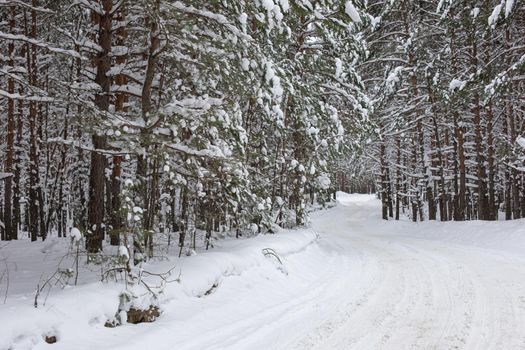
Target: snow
<point x="5" y="175"/>
<point x="351" y="11"/>
<point x="243" y="18"/>
<point x="180" y="6"/>
<point x="351" y="281"/>
<point x="493" y="18"/>
<point x="375" y="21"/>
<point x="338" y="68"/>
<point x="521" y="141"/>
<point x="245" y="63"/>
<point x="123" y="251"/>
<point x="323" y="181"/>
<point x="77" y="314"/>
<point x="457" y="84"/>
<point x="268" y="5"/>
<point x="393" y="78"/>
<point x="75" y="234"/>
<point x="23" y="38"/>
<point x="277" y="90"/>
<point x="508" y="7"/>
<point x="285" y="5"/>
<point x="269" y="72"/>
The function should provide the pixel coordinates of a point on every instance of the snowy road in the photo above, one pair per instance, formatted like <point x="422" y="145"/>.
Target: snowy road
<point x="393" y="286"/>
<point x="418" y="290"/>
<point x="364" y="284"/>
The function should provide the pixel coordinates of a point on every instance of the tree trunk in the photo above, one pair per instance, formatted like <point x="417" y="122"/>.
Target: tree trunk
<point x="10" y="231"/>
<point x="120" y="107"/>
<point x="116" y="219"/>
<point x="398" y="177"/>
<point x="492" y="209"/>
<point x="384" y="195"/>
<point x="31" y="59"/>
<point x="98" y="161"/>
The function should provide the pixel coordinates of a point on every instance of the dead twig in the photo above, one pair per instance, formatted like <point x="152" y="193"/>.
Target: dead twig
<point x="271" y="252"/>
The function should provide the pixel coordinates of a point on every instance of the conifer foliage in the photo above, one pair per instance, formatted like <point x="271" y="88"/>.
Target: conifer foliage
<point x="159" y="116"/>
<point x="176" y="117"/>
<point x="446" y="82"/>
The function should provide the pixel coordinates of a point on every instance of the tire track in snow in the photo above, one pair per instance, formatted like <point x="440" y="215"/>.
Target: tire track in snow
<point x="362" y="287"/>
<point x="426" y="294"/>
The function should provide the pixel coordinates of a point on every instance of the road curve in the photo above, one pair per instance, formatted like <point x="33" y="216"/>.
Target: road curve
<point x="415" y="293"/>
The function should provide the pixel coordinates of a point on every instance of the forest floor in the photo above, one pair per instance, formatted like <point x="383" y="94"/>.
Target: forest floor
<point x="351" y="281"/>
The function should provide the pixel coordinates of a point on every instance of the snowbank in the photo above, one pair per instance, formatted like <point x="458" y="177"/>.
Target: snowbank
<point x="76" y="315"/>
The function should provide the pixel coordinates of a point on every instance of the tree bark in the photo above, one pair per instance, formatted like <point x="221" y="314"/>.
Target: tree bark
<point x="98" y="161"/>
<point x="10" y="231"/>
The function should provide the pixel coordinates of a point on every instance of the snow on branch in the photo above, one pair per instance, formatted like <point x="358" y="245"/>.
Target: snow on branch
<point x="5" y="175"/>
<point x="76" y="144"/>
<point x="351" y="11"/>
<point x="205" y="153"/>
<point x="520" y="140"/>
<point x="85" y="43"/>
<point x="26" y="5"/>
<point x="90" y="5"/>
<point x="179" y="6"/>
<point x="26" y="97"/>
<point x="18" y="37"/>
<point x="192" y="105"/>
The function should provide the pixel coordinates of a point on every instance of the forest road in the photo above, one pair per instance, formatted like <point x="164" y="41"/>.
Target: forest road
<point x="411" y="289"/>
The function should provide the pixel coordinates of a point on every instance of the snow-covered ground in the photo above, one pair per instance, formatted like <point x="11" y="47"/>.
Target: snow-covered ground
<point x="352" y="281"/>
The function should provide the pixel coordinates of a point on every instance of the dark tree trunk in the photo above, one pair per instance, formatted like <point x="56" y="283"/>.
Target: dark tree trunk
<point x="10" y="230"/>
<point x="492" y="211"/>
<point x="116" y="219"/>
<point x="184" y="219"/>
<point x="98" y="161"/>
<point x="34" y="212"/>
<point x="17" y="212"/>
<point x="384" y="195"/>
<point x="398" y="176"/>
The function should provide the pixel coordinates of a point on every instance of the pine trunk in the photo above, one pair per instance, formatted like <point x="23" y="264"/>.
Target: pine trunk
<point x="98" y="160"/>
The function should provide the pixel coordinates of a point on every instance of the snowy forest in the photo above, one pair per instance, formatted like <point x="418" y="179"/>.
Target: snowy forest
<point x="136" y="130"/>
<point x="169" y="116"/>
<point x="232" y="115"/>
